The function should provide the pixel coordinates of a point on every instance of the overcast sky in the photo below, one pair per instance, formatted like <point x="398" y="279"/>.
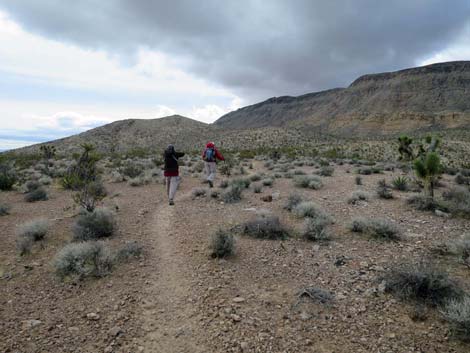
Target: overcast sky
<point x="67" y="66"/>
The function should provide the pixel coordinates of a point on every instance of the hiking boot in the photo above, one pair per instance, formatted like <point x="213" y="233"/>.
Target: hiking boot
<point x="211" y="184"/>
<point x="171" y="203"/>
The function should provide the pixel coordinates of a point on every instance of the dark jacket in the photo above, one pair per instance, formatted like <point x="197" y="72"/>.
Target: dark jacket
<point x="171" y="162"/>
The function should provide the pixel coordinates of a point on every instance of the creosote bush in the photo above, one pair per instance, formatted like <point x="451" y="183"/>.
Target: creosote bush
<point x="358" y="180"/>
<point x="311" y="210"/>
<point x="423" y="203"/>
<point x="128" y="251"/>
<point x="308" y="181"/>
<point x="232" y="194"/>
<point x="38" y="194"/>
<point x="198" y="192"/>
<point x="292" y="200"/>
<point x="86" y="259"/>
<point x="35" y="230"/>
<point x="255" y="177"/>
<point x="422" y="284"/>
<point x="457" y="314"/>
<point x="257" y="188"/>
<point x="4" y="209"/>
<point x="378" y="228"/>
<point x="358" y="196"/>
<point x="315" y="229"/>
<point x="267" y="182"/>
<point x="265" y="226"/>
<point x="326" y="171"/>
<point x="7" y="177"/>
<point x="457" y="201"/>
<point x="94" y="225"/>
<point x="222" y="244"/>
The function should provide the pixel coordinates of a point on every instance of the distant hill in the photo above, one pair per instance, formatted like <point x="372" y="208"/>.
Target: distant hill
<point x="433" y="97"/>
<point x="424" y="98"/>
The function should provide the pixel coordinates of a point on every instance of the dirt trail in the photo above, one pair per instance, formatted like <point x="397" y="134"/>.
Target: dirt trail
<point x="170" y="319"/>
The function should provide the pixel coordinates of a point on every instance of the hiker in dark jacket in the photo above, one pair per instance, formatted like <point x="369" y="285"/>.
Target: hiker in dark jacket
<point x="210" y="155"/>
<point x="171" y="172"/>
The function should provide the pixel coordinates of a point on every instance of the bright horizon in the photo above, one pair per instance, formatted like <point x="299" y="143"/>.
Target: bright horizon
<point x="62" y="72"/>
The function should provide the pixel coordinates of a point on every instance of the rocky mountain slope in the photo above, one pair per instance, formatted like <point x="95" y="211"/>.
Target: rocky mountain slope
<point x="428" y="97"/>
<point x="433" y="97"/>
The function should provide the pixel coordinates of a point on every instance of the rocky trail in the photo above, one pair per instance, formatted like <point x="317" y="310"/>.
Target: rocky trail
<point x="169" y="317"/>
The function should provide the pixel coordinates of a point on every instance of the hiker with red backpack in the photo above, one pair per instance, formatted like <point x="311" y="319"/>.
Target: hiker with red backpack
<point x="171" y="172"/>
<point x="210" y="155"/>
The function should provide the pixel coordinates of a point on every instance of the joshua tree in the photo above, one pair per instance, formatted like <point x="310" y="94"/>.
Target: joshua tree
<point x="428" y="169"/>
<point x="405" y="150"/>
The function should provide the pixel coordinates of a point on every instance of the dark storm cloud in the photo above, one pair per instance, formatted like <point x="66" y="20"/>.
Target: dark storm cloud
<point x="258" y="48"/>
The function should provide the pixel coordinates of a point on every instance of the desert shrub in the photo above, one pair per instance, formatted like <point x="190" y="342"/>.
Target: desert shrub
<point x="94" y="225"/>
<point x="358" y="196"/>
<point x="315" y="229"/>
<point x="199" y="167"/>
<point x="90" y="194"/>
<point x="299" y="172"/>
<point x="358" y="180"/>
<point x="7" y="177"/>
<point x="311" y="210"/>
<point x="232" y="194"/>
<point x="462" y="180"/>
<point x="83" y="171"/>
<point x="461" y="248"/>
<point x="378" y="228"/>
<point x="80" y="260"/>
<point x="267" y="182"/>
<point x="308" y="181"/>
<point x="4" y="209"/>
<point x="457" y="201"/>
<point x="255" y="177"/>
<point x="198" y="192"/>
<point x="384" y="192"/>
<point x="243" y="183"/>
<point x="326" y="171"/>
<point x="422" y="284"/>
<point x="457" y="314"/>
<point x="364" y="171"/>
<point x="32" y="185"/>
<point x="45" y="180"/>
<point x="214" y="194"/>
<point x="24" y="245"/>
<point x="400" y="183"/>
<point x="139" y="181"/>
<point x="222" y="244"/>
<point x="128" y="251"/>
<point x="226" y="167"/>
<point x="423" y="203"/>
<point x="292" y="200"/>
<point x="30" y="232"/>
<point x="242" y="170"/>
<point x="39" y="194"/>
<point x="223" y="184"/>
<point x="265" y="226"/>
<point x="257" y="188"/>
<point x="132" y="170"/>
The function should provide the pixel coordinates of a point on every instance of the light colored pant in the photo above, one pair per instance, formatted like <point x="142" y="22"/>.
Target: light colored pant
<point x="171" y="186"/>
<point x="209" y="169"/>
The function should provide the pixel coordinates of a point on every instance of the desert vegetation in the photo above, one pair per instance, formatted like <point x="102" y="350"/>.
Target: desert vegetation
<point x="290" y="220"/>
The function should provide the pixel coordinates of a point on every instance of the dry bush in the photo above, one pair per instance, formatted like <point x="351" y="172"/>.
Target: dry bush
<point x="265" y="226"/>
<point x="378" y="228"/>
<point x="222" y="244"/>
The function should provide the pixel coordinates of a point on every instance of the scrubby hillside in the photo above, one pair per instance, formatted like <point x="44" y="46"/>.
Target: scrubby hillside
<point x="423" y="98"/>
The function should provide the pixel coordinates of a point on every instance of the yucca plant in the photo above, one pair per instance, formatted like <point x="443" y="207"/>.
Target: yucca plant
<point x="400" y="183"/>
<point x="428" y="170"/>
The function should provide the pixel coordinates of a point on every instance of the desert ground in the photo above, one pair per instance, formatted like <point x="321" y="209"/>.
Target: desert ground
<point x="175" y="297"/>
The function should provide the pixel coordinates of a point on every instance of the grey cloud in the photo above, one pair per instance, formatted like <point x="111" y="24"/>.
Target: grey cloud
<point x="258" y="48"/>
